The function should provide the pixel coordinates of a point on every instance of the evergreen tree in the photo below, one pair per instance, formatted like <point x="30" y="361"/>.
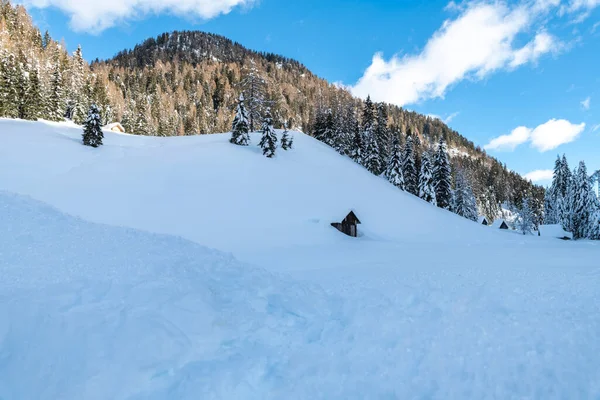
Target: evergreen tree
<point x="393" y="171"/>
<point x="371" y="158"/>
<point x="409" y="171"/>
<point x="286" y="139"/>
<point x="33" y="100"/>
<point x="56" y="109"/>
<point x="464" y="203"/>
<point x="426" y="184"/>
<point x="268" y="142"/>
<point x="357" y="147"/>
<point x="254" y="87"/>
<point x="92" y="128"/>
<point x="8" y="86"/>
<point x="329" y="132"/>
<point x="525" y="221"/>
<point x="442" y="176"/>
<point x="240" y="127"/>
<point x="581" y="208"/>
<point x="21" y="85"/>
<point x="319" y="125"/>
<point x="382" y="133"/>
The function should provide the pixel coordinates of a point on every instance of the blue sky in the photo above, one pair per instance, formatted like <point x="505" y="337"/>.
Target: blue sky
<point x="519" y="77"/>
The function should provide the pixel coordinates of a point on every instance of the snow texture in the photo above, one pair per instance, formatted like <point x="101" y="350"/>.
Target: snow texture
<point x="424" y="304"/>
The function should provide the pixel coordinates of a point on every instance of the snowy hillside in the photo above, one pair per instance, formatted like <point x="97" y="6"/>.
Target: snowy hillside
<point x="185" y="268"/>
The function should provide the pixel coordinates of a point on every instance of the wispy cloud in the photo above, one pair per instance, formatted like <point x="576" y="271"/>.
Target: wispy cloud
<point x="96" y="16"/>
<point x="540" y="175"/>
<point x="478" y="42"/>
<point x="586" y="103"/>
<point x="544" y="137"/>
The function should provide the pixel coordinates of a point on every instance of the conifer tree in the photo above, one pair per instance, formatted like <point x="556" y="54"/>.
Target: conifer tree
<point x="371" y="158"/>
<point x="56" y="109"/>
<point x="409" y="171"/>
<point x="240" y="128"/>
<point x="464" y="203"/>
<point x="393" y="171"/>
<point x="92" y="128"/>
<point x="33" y="100"/>
<point x="442" y="176"/>
<point x="286" y="139"/>
<point x="357" y="147"/>
<point x="21" y="85"/>
<point x="581" y="207"/>
<point x="8" y="86"/>
<point x="254" y="87"/>
<point x="329" y="130"/>
<point x="426" y="184"/>
<point x="526" y="220"/>
<point x="382" y="133"/>
<point x="268" y="142"/>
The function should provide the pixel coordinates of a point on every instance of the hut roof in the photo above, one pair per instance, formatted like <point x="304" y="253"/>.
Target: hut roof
<point x="499" y="223"/>
<point x="483" y="219"/>
<point x="352" y="218"/>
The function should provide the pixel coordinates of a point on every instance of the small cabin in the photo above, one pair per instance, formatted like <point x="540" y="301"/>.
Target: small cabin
<point x="483" y="221"/>
<point x="556" y="231"/>
<point x="115" y="127"/>
<point x="500" y="224"/>
<point x="349" y="225"/>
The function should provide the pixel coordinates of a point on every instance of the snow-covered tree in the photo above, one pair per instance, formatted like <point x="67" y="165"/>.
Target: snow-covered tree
<point x="77" y="102"/>
<point x="329" y="131"/>
<point x="357" y="147"/>
<point x="581" y="208"/>
<point x="464" y="203"/>
<point x="409" y="170"/>
<point x="268" y="142"/>
<point x="33" y="103"/>
<point x="92" y="128"/>
<point x="240" y="127"/>
<point x="426" y="184"/>
<point x="254" y="87"/>
<point x="442" y="176"/>
<point x="371" y="157"/>
<point x="287" y="141"/>
<point x="393" y="171"/>
<point x="382" y="133"/>
<point x="526" y="218"/>
<point x="56" y="104"/>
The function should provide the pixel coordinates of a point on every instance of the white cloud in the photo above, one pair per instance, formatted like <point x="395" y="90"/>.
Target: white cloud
<point x="540" y="175"/>
<point x="480" y="41"/>
<point x="510" y="142"/>
<point x="450" y="117"/>
<point x="544" y="137"/>
<point x="586" y="103"/>
<point x="96" y="16"/>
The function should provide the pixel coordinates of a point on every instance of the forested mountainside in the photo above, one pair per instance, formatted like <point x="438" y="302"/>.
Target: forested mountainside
<point x="188" y="83"/>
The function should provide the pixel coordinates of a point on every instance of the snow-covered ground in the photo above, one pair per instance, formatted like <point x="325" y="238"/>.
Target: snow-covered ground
<point x="185" y="268"/>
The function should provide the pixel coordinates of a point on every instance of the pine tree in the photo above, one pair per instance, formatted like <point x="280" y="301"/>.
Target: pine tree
<point x="464" y="203"/>
<point x="382" y="133"/>
<point x="393" y="171"/>
<point x="286" y="139"/>
<point x="240" y="127"/>
<point x="268" y="142"/>
<point x="580" y="203"/>
<point x="357" y="147"/>
<point x="371" y="158"/>
<point x="8" y="86"/>
<point x="77" y="102"/>
<point x="525" y="221"/>
<point x="426" y="184"/>
<point x="409" y="171"/>
<point x="442" y="176"/>
<point x="92" y="128"/>
<point x="329" y="131"/>
<point x="593" y="230"/>
<point x="56" y="107"/>
<point x="33" y="100"/>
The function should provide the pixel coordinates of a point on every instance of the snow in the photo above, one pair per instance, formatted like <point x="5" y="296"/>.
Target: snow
<point x="185" y="268"/>
<point x="555" y="231"/>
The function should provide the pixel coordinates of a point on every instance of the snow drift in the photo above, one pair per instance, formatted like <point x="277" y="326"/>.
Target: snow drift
<point x="124" y="299"/>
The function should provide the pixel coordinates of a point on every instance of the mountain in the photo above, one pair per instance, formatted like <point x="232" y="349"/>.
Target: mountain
<point x="188" y="82"/>
<point x="187" y="267"/>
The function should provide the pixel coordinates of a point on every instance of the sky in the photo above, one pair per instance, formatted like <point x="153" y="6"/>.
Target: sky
<point x="519" y="78"/>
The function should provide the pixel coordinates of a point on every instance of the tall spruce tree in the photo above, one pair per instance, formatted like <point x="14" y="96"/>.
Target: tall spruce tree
<point x="268" y="142"/>
<point x="382" y="134"/>
<point x="357" y="147"/>
<point x="240" y="126"/>
<point x="92" y="128"/>
<point x="426" y="184"/>
<point x="33" y="102"/>
<point x="371" y="158"/>
<point x="254" y="87"/>
<point x="409" y="171"/>
<point x="55" y="105"/>
<point x="464" y="203"/>
<point x="581" y="208"/>
<point x="442" y="176"/>
<point x="393" y="171"/>
<point x="286" y="139"/>
<point x="526" y="218"/>
<point x="329" y="131"/>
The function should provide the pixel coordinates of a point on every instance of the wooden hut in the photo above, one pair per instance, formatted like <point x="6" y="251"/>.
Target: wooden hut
<point x="499" y="224"/>
<point x="115" y="127"/>
<point x="349" y="225"/>
<point x="484" y="221"/>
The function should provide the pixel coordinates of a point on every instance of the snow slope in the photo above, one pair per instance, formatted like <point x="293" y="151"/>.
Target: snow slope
<point x="424" y="304"/>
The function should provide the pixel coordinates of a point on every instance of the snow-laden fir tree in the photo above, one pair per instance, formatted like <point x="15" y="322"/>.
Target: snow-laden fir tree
<point x="33" y="103"/>
<point x="92" y="128"/>
<point x="370" y="155"/>
<point x="393" y="170"/>
<point x="329" y="131"/>
<point x="382" y="133"/>
<point x="55" y="105"/>
<point x="464" y="203"/>
<point x="357" y="147"/>
<point x="240" y="127"/>
<point x="426" y="184"/>
<point x="287" y="141"/>
<point x="594" y="220"/>
<point x="581" y="208"/>
<point x="77" y="101"/>
<point x="526" y="218"/>
<point x="268" y="142"/>
<point x="409" y="170"/>
<point x="442" y="176"/>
